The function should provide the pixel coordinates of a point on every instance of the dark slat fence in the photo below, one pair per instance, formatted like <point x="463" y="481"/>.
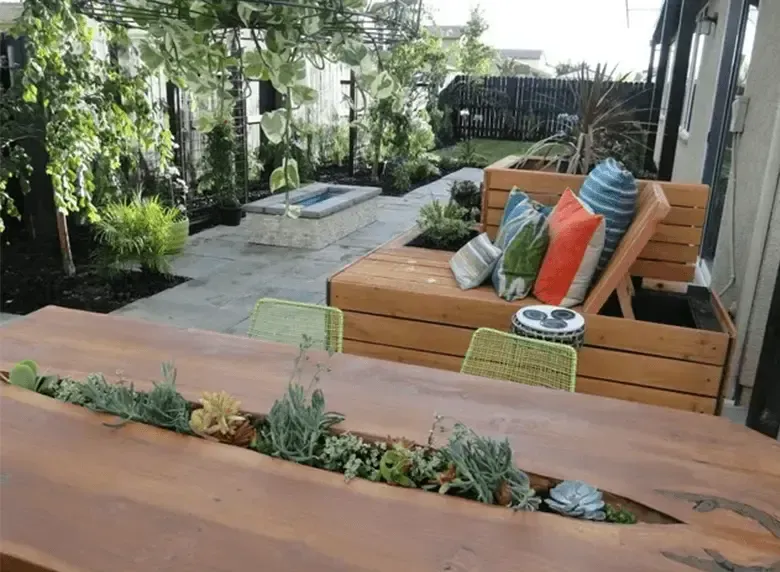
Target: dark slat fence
<point x="525" y="108"/>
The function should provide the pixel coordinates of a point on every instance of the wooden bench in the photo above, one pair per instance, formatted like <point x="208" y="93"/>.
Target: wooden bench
<point x="78" y="495"/>
<point x="673" y="250"/>
<point x="402" y="304"/>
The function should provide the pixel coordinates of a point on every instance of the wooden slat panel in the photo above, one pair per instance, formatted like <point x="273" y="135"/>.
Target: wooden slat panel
<point x="686" y="216"/>
<point x="390" y="327"/>
<point x="678" y="195"/>
<point x="584" y="385"/>
<point x="683" y="216"/>
<point x="424" y="336"/>
<point x="670" y="252"/>
<point x="650" y="371"/>
<point x="678" y="234"/>
<point x="538" y="181"/>
<point x="663" y="270"/>
<point x="647" y="395"/>
<point x="402" y="355"/>
<point x="690" y="236"/>
<point x="599" y="363"/>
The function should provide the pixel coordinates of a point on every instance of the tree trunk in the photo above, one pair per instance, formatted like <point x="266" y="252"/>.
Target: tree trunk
<point x="67" y="255"/>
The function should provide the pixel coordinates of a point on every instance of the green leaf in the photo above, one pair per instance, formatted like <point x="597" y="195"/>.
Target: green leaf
<point x="30" y="94"/>
<point x="151" y="56"/>
<point x="303" y="94"/>
<point x="245" y="11"/>
<point x="255" y="66"/>
<point x="382" y="87"/>
<point x="206" y="122"/>
<point x="293" y="179"/>
<point x="353" y="52"/>
<point x="277" y="179"/>
<point x="274" y="124"/>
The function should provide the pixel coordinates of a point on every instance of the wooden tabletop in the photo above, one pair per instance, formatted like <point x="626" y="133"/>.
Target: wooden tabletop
<point x="79" y="496"/>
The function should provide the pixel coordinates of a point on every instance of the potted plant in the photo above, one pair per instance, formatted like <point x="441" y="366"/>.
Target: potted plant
<point x="605" y="125"/>
<point x="219" y="178"/>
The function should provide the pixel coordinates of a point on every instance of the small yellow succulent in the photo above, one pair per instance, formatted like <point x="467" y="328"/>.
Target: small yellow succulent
<point x="219" y="414"/>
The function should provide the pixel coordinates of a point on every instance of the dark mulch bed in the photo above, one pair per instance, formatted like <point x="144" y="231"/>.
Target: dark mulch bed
<point x="424" y="241"/>
<point x="31" y="277"/>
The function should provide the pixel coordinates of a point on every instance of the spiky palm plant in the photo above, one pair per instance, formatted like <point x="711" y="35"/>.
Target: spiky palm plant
<point x="605" y="121"/>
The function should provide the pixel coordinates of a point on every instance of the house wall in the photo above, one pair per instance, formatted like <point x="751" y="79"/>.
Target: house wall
<point x="692" y="145"/>
<point x="763" y="89"/>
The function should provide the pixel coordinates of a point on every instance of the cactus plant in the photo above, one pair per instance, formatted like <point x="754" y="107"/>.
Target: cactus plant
<point x="577" y="499"/>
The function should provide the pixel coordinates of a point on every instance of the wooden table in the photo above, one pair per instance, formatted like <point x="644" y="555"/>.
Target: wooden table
<point x="79" y="496"/>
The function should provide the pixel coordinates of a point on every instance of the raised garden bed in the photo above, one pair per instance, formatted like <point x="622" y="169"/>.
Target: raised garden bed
<point x="191" y="503"/>
<point x="31" y="277"/>
<point x="402" y="304"/>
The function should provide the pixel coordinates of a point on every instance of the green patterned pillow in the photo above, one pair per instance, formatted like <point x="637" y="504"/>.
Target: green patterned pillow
<point x="523" y="238"/>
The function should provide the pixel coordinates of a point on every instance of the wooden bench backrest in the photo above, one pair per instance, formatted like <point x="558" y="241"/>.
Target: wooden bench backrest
<point x="652" y="209"/>
<point x="670" y="254"/>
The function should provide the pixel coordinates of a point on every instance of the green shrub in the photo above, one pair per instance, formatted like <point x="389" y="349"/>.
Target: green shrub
<point x="448" y="163"/>
<point x="423" y="168"/>
<point x="141" y="232"/>
<point x="444" y="225"/>
<point x="219" y="165"/>
<point x="397" y="178"/>
<point x="466" y="194"/>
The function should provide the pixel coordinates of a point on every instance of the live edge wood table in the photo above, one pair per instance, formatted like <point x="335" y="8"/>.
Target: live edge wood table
<point x="77" y="495"/>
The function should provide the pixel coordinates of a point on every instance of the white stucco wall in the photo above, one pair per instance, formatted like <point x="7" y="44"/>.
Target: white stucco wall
<point x="763" y="89"/>
<point x="692" y="145"/>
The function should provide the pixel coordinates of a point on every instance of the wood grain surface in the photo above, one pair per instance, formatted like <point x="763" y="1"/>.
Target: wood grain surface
<point x="80" y="496"/>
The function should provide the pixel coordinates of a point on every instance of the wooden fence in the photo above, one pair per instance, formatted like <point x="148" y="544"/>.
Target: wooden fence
<point x="525" y="108"/>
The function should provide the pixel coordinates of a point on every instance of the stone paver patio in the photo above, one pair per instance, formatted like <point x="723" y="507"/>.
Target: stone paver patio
<point x="228" y="275"/>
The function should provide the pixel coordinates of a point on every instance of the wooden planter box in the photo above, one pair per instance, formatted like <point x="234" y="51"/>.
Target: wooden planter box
<point x="402" y="304"/>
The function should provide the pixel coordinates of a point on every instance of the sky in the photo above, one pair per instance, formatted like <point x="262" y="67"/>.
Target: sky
<point x="591" y="30"/>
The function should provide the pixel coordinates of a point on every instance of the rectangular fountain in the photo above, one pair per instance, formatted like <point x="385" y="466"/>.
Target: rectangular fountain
<point x="328" y="213"/>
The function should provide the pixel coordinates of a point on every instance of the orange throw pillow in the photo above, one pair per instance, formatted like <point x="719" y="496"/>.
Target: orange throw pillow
<point x="576" y="241"/>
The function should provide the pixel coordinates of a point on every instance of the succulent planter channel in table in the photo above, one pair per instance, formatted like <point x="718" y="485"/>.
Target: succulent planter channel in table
<point x="298" y="428"/>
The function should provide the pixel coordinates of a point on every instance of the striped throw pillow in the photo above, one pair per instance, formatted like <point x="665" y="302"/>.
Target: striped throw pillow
<point x="473" y="263"/>
<point x="610" y="190"/>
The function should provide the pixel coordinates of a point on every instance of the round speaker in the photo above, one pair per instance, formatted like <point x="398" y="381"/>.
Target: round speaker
<point x="550" y="323"/>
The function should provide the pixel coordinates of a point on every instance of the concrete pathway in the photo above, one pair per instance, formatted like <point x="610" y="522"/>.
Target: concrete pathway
<point x="228" y="274"/>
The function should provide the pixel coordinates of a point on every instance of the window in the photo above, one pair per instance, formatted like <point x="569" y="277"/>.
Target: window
<point x="694" y="67"/>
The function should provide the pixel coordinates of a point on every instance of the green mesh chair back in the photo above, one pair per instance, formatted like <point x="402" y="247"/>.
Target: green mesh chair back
<point x="291" y="322"/>
<point x="500" y="355"/>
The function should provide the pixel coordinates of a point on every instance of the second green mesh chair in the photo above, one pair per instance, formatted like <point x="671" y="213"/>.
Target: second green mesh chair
<point x="500" y="355"/>
<point x="290" y="322"/>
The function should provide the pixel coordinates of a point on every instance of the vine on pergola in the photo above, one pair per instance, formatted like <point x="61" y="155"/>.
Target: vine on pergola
<point x="191" y="42"/>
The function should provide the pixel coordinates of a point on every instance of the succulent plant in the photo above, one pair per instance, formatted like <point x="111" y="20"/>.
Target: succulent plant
<point x="577" y="499"/>
<point x="219" y="417"/>
<point x="24" y="374"/>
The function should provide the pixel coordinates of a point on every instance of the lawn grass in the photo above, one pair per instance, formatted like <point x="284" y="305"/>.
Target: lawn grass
<point x="491" y="149"/>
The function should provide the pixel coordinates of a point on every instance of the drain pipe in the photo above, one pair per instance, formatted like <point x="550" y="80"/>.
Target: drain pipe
<point x="756" y="252"/>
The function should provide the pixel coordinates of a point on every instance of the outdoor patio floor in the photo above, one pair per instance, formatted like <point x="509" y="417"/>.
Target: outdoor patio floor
<point x="228" y="275"/>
